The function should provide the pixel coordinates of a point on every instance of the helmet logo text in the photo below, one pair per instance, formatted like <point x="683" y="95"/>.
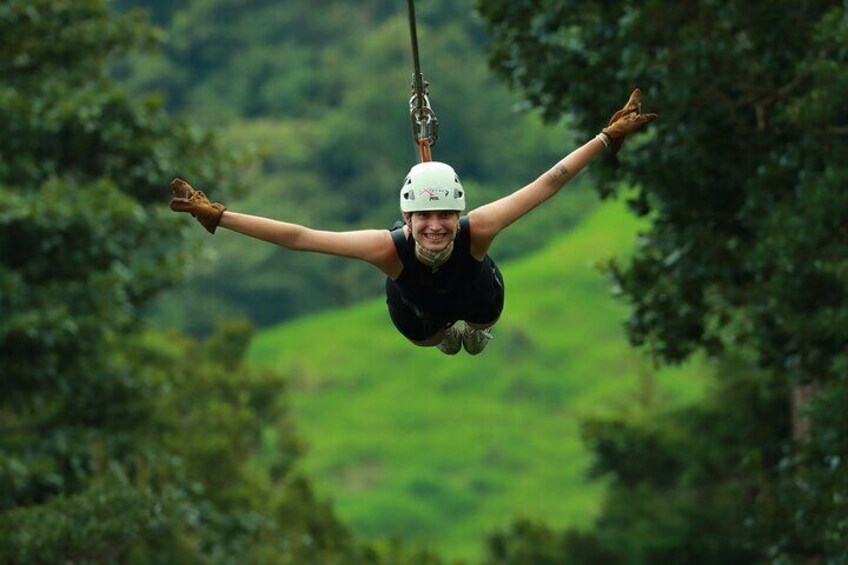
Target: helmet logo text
<point x="434" y="193"/>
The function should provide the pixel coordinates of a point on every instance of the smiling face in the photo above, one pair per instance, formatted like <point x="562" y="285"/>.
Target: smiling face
<point x="433" y="230"/>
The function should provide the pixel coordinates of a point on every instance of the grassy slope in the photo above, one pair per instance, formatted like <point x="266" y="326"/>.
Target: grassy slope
<point x="443" y="450"/>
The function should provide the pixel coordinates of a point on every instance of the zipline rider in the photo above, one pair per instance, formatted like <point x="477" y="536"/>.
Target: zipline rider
<point x="437" y="267"/>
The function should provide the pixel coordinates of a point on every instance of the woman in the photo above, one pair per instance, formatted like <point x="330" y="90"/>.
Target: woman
<point x="437" y="267"/>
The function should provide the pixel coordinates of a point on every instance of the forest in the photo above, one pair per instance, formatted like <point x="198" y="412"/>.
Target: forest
<point x="669" y="382"/>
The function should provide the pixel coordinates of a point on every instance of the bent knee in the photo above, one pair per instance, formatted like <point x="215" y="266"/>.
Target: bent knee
<point x="435" y="339"/>
<point x="483" y="325"/>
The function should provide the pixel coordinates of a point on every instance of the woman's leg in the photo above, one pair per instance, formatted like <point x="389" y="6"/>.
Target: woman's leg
<point x="430" y="341"/>
<point x="484" y="309"/>
<point x="478" y="326"/>
<point x="419" y="326"/>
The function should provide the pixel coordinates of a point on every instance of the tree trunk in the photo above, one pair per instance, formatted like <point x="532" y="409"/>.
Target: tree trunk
<point x="802" y="396"/>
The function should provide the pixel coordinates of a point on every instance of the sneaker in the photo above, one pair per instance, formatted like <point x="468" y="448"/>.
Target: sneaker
<point x="452" y="342"/>
<point x="475" y="341"/>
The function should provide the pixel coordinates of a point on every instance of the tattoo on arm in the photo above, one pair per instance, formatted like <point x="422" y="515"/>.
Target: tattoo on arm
<point x="559" y="173"/>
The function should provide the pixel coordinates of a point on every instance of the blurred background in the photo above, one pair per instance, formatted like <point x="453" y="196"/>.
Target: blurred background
<point x="669" y="379"/>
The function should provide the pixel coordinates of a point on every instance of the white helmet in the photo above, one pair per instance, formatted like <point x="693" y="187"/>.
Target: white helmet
<point x="432" y="186"/>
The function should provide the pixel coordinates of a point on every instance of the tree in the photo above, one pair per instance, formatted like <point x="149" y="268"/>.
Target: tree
<point x="116" y="444"/>
<point x="743" y="182"/>
<point x="80" y="248"/>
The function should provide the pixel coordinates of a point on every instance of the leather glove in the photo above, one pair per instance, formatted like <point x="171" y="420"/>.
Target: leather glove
<point x="626" y="121"/>
<point x="186" y="199"/>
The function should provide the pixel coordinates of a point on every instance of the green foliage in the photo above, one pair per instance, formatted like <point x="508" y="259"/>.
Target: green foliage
<point x="685" y="484"/>
<point x="698" y="477"/>
<point x="95" y="526"/>
<point x="743" y="180"/>
<point x="222" y="435"/>
<point x="158" y="12"/>
<point x="806" y="511"/>
<point x="441" y="450"/>
<point x="530" y="543"/>
<point x="79" y="251"/>
<point x="115" y="445"/>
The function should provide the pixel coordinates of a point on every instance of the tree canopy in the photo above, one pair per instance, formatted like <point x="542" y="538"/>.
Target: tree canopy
<point x="118" y="444"/>
<point x="743" y="181"/>
<point x="740" y="176"/>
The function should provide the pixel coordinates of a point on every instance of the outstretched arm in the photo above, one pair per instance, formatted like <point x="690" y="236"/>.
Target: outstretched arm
<point x="372" y="246"/>
<point x="489" y="220"/>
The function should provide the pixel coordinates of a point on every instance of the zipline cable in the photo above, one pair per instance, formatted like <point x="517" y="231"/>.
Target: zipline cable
<point x="425" y="126"/>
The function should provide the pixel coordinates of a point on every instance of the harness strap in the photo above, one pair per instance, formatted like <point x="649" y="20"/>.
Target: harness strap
<point x="399" y="239"/>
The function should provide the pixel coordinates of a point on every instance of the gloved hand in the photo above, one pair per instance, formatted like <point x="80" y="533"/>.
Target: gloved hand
<point x="186" y="199"/>
<point x="626" y="121"/>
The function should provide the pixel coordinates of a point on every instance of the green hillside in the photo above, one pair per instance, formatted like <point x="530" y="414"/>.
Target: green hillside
<point x="442" y="450"/>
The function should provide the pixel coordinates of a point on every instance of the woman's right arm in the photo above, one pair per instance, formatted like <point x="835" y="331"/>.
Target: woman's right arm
<point x="373" y="246"/>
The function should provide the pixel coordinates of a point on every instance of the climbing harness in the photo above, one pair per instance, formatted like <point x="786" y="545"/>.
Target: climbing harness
<point x="425" y="126"/>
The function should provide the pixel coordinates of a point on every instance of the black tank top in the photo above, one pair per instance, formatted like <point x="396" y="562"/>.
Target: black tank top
<point x="454" y="279"/>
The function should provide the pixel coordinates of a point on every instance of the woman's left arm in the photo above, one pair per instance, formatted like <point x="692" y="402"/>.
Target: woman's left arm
<point x="489" y="220"/>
